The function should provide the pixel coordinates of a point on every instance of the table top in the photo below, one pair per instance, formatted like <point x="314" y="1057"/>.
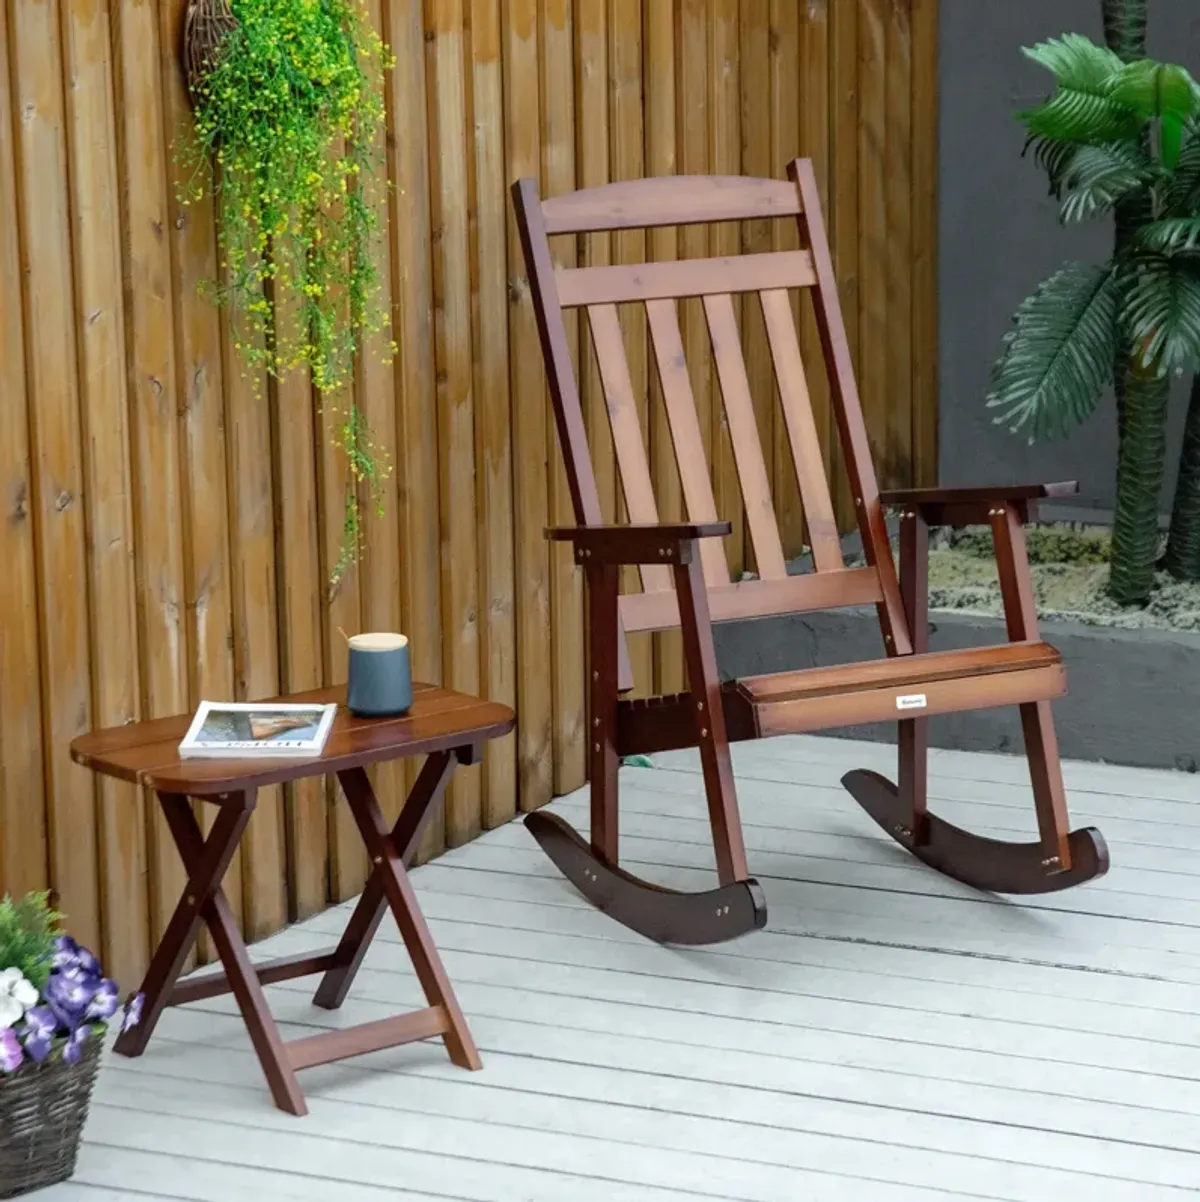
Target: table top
<point x="147" y="753"/>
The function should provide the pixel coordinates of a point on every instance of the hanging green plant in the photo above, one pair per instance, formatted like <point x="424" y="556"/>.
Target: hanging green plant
<point x="289" y="110"/>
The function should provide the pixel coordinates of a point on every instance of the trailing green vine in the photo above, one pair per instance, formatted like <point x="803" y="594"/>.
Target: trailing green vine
<point x="288" y="118"/>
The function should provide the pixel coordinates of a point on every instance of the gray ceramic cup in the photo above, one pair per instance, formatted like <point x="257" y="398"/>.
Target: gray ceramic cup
<point x="379" y="684"/>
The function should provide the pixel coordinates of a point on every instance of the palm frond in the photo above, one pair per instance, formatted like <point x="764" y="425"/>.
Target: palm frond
<point x="1164" y="92"/>
<point x="1082" y="108"/>
<point x="1076" y="62"/>
<point x="1162" y="312"/>
<point x="1098" y="177"/>
<point x="1058" y="356"/>
<point x="1171" y="236"/>
<point x="1154" y="89"/>
<point x="1184" y="193"/>
<point x="1054" y="158"/>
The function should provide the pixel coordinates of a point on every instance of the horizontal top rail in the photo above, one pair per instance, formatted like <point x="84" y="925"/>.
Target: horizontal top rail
<point x="670" y="200"/>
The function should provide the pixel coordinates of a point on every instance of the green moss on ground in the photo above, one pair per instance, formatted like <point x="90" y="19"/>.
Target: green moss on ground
<point x="1069" y="564"/>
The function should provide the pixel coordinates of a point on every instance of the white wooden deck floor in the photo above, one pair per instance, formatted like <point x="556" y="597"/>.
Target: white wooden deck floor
<point x="891" y="1037"/>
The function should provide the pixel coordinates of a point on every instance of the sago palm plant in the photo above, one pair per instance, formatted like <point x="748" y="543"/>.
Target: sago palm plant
<point x="1121" y="137"/>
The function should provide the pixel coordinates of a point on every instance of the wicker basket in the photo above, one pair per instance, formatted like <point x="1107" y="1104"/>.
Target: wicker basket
<point x="43" y="1109"/>
<point x="204" y="29"/>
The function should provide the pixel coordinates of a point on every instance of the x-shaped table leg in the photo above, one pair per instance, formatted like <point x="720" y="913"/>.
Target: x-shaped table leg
<point x="207" y="861"/>
<point x="389" y="887"/>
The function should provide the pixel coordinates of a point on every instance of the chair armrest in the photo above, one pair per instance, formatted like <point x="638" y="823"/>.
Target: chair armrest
<point x="632" y="544"/>
<point x="973" y="506"/>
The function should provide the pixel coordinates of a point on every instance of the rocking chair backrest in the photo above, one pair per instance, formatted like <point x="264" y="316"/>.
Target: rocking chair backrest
<point x="683" y="200"/>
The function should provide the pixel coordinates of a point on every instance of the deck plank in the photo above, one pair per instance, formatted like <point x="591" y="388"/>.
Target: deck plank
<point x="892" y="1035"/>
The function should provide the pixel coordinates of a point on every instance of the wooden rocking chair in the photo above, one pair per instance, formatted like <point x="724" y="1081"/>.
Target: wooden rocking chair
<point x="686" y="582"/>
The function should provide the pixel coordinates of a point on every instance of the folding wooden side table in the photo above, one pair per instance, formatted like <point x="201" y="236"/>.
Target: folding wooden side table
<point x="448" y="728"/>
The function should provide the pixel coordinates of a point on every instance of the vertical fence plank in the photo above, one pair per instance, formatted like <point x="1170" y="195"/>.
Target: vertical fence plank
<point x="412" y="326"/>
<point x="497" y="583"/>
<point x="595" y="249"/>
<point x="924" y="265"/>
<point x="37" y="64"/>
<point x="895" y="467"/>
<point x="375" y="386"/>
<point x="23" y="800"/>
<point x="530" y="432"/>
<point x="300" y="589"/>
<point x="725" y="154"/>
<point x="659" y="76"/>
<point x="97" y="243"/>
<point x="255" y="620"/>
<point x="627" y="156"/>
<point x="760" y="46"/>
<point x="200" y="389"/>
<point x="872" y="218"/>
<point x="786" y="88"/>
<point x="455" y="393"/>
<point x="844" y="203"/>
<point x="567" y="651"/>
<point x="343" y="617"/>
<point x="814" y="137"/>
<point x="692" y="100"/>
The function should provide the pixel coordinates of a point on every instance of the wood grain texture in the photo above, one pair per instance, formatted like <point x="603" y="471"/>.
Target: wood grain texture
<point x="560" y="155"/>
<point x="896" y="466"/>
<point x="101" y="155"/>
<point x="535" y="771"/>
<point x="725" y="158"/>
<point x="494" y="449"/>
<point x="662" y="244"/>
<point x="23" y="802"/>
<point x="455" y="388"/>
<point x="215" y="582"/>
<point x="36" y="59"/>
<point x="416" y="488"/>
<point x="924" y="260"/>
<point x="815" y="143"/>
<point x="844" y="203"/>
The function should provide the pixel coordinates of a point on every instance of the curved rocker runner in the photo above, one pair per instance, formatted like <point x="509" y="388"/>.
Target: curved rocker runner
<point x="685" y="578"/>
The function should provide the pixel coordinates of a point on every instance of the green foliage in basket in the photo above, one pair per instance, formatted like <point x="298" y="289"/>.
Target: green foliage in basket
<point x="28" y="929"/>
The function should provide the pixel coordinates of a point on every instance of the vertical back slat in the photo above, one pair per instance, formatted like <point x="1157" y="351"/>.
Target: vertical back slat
<point x="848" y="411"/>
<point x="626" y="431"/>
<point x="743" y="434"/>
<point x="685" y="431"/>
<point x="796" y="404"/>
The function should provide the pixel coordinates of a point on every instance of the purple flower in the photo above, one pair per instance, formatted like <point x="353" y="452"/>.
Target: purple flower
<point x="104" y="1001"/>
<point x="40" y="1026"/>
<point x="69" y="995"/>
<point x="73" y="1048"/>
<point x="66" y="953"/>
<point x="88" y="964"/>
<point x="133" y="1012"/>
<point x="10" y="1051"/>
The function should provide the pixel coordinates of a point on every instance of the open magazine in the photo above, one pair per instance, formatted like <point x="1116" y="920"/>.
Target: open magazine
<point x="227" y="730"/>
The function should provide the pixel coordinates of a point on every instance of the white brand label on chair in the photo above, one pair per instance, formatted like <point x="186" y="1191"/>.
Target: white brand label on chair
<point x="912" y="701"/>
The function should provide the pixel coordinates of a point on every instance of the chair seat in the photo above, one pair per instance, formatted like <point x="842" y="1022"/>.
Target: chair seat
<point x="908" y="686"/>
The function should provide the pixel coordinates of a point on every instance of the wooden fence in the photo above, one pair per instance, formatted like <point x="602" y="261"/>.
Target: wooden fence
<point x="167" y="534"/>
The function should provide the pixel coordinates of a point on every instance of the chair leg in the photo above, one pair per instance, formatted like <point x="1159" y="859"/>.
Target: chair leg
<point x="914" y="777"/>
<point x="1061" y="858"/>
<point x="664" y="915"/>
<point x="705" y="688"/>
<point x="1049" y="793"/>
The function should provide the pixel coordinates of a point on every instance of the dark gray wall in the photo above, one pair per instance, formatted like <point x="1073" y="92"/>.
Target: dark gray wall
<point x="1000" y="234"/>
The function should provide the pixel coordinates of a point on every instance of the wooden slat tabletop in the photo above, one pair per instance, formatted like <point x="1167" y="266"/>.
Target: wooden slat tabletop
<point x="147" y="753"/>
